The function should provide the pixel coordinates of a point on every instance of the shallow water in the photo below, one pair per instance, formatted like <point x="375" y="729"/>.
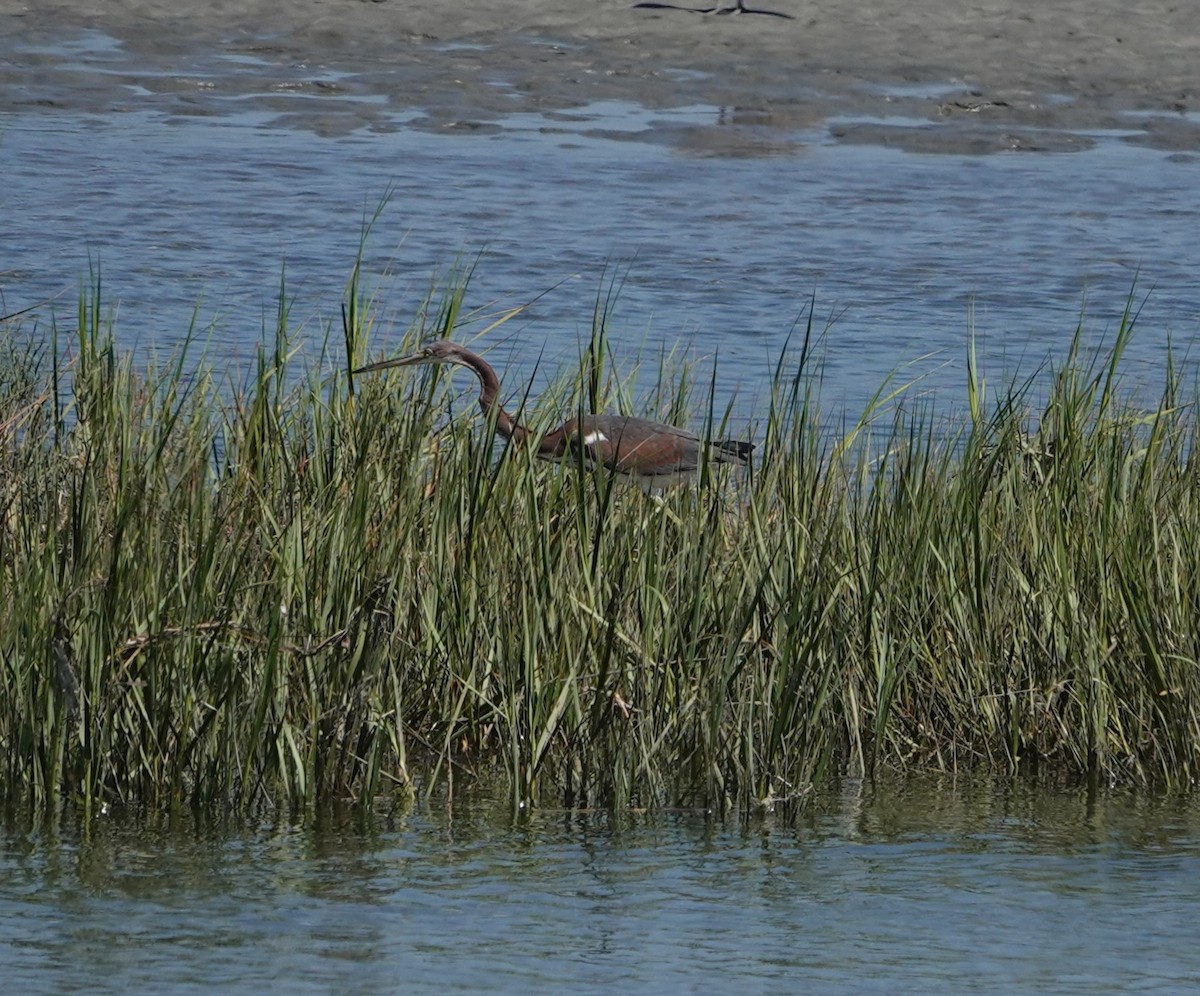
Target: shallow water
<point x="194" y="195"/>
<point x="924" y="887"/>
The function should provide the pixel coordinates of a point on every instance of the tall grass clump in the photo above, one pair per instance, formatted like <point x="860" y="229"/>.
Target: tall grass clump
<point x="312" y="586"/>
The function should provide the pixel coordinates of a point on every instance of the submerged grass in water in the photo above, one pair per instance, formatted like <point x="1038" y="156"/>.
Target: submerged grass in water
<point x="312" y="589"/>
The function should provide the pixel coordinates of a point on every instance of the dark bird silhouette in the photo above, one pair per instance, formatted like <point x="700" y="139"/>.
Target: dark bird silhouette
<point x="652" y="453"/>
<point x="738" y="8"/>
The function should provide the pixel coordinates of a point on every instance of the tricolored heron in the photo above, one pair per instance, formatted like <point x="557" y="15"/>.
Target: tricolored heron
<point x="652" y="453"/>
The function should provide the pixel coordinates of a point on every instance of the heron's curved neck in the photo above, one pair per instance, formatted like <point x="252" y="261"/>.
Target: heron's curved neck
<point x="489" y="399"/>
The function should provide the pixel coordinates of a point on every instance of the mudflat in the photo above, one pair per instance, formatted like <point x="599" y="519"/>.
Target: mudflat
<point x="1057" y="66"/>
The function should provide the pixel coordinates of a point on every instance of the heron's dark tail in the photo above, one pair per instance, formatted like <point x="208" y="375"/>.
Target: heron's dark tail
<point x="735" y="450"/>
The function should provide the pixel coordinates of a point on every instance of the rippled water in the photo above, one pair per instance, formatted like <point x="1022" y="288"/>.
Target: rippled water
<point x="193" y="204"/>
<point x="905" y="888"/>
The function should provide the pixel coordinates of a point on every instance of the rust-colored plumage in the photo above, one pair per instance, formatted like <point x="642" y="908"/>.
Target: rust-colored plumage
<point x="652" y="453"/>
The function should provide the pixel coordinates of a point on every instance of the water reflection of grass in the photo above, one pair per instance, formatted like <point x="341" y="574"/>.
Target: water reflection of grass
<point x="312" y="589"/>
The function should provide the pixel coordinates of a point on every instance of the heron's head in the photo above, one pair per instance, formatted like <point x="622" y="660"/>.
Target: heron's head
<point x="442" y="351"/>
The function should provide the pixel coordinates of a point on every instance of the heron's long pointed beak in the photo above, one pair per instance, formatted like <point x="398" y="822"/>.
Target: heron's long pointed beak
<point x="396" y="361"/>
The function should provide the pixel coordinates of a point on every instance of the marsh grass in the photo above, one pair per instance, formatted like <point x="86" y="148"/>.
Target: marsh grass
<point x="310" y="587"/>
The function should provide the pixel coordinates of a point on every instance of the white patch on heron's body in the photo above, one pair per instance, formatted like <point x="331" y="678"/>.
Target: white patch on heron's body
<point x="594" y="437"/>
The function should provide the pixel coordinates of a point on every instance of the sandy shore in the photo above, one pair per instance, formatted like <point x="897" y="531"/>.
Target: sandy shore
<point x="1068" y="65"/>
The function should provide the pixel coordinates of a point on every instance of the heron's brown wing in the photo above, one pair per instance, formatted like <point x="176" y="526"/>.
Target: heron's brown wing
<point x="637" y="447"/>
